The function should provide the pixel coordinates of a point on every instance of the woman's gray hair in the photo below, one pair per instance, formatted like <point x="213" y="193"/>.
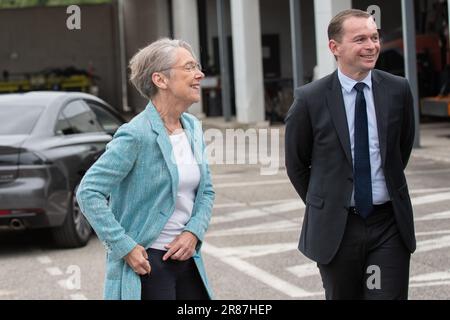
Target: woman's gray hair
<point x="159" y="56"/>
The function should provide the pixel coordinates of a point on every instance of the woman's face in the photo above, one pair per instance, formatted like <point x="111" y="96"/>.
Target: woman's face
<point x="185" y="77"/>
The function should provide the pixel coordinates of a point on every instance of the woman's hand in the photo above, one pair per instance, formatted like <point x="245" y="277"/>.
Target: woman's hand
<point x="137" y="259"/>
<point x="182" y="247"/>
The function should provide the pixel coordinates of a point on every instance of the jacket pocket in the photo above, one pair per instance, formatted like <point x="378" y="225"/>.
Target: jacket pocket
<point x="314" y="201"/>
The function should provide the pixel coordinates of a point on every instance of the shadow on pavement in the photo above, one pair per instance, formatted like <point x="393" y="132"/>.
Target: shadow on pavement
<point x="21" y="242"/>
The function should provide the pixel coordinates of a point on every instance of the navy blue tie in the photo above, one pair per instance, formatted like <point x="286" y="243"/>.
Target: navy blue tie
<point x="363" y="180"/>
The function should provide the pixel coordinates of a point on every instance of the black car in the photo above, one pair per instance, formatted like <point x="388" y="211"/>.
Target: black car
<point x="47" y="142"/>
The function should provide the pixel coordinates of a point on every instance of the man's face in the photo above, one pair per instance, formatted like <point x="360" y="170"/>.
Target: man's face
<point x="358" y="50"/>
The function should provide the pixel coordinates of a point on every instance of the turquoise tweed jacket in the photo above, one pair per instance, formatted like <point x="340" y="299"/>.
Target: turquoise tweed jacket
<point x="130" y="192"/>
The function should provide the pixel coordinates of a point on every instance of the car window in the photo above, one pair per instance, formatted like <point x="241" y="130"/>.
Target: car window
<point x="18" y="118"/>
<point x="77" y="117"/>
<point x="63" y="126"/>
<point x="107" y="120"/>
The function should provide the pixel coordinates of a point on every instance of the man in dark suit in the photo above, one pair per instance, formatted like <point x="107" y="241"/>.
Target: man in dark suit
<point x="348" y="138"/>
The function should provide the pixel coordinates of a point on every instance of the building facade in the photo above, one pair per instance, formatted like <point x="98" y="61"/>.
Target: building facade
<point x="257" y="36"/>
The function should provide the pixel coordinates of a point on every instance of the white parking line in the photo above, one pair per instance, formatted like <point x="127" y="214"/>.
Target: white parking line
<point x="304" y="270"/>
<point x="432" y="233"/>
<point x="44" y="259"/>
<point x="429" y="190"/>
<point x="431" y="171"/>
<point x="54" y="271"/>
<point x="226" y="176"/>
<point x="297" y="204"/>
<point x="254" y="213"/>
<point x="253" y="232"/>
<point x="430" y="198"/>
<point x="433" y="244"/>
<point x="440" y="278"/>
<point x="435" y="216"/>
<point x="433" y="276"/>
<point x="78" y="296"/>
<point x="258" y="250"/>
<point x="4" y="293"/>
<point x="430" y="284"/>
<point x="250" y="183"/>
<point x="253" y="204"/>
<point x="273" y="202"/>
<point x="277" y="226"/>
<point x="65" y="284"/>
<point x="258" y="274"/>
<point x="240" y="215"/>
<point x="230" y="205"/>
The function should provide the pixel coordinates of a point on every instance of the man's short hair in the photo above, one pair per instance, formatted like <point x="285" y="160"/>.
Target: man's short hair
<point x="335" y="28"/>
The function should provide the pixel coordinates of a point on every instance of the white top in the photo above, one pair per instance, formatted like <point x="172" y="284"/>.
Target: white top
<point x="380" y="193"/>
<point x="188" y="181"/>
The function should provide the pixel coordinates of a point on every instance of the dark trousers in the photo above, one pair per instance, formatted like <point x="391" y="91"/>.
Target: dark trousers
<point x="371" y="263"/>
<point x="171" y="279"/>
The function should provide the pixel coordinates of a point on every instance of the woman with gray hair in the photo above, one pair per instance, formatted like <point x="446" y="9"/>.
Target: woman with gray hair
<point x="149" y="197"/>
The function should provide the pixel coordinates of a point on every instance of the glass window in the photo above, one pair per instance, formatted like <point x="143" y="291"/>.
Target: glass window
<point x="63" y="126"/>
<point x="77" y="118"/>
<point x="107" y="120"/>
<point x="18" y="118"/>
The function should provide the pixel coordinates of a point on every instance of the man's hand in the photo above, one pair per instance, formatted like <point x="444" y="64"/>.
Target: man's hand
<point x="137" y="260"/>
<point x="182" y="247"/>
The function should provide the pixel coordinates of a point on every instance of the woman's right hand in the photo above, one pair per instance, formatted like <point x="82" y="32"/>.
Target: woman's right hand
<point x="137" y="259"/>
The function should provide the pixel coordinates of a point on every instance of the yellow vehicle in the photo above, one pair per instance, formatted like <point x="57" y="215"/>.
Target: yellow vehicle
<point x="69" y="79"/>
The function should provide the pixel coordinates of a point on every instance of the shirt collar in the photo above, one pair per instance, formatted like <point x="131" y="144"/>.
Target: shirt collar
<point x="348" y="83"/>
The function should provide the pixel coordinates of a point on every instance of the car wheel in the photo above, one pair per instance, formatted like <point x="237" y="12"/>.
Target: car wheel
<point x="76" y="231"/>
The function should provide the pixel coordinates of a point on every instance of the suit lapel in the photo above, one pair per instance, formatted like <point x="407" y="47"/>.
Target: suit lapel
<point x="165" y="146"/>
<point x="381" y="101"/>
<point x="335" y="103"/>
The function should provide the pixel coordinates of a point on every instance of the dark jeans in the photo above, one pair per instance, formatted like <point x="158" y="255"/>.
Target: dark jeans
<point x="171" y="279"/>
<point x="372" y="262"/>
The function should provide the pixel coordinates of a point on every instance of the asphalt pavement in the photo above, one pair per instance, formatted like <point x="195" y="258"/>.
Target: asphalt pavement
<point x="250" y="249"/>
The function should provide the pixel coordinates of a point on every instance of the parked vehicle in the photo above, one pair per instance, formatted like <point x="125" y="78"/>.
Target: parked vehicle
<point x="48" y="140"/>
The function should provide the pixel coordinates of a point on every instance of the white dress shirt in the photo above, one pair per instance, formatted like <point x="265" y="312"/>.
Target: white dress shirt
<point x="188" y="181"/>
<point x="380" y="193"/>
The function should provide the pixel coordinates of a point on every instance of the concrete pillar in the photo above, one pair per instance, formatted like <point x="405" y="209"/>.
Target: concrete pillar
<point x="324" y="11"/>
<point x="185" y="27"/>
<point x="247" y="57"/>
<point x="122" y="56"/>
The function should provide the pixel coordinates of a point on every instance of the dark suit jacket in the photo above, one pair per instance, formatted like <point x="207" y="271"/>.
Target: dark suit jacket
<point x="319" y="160"/>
